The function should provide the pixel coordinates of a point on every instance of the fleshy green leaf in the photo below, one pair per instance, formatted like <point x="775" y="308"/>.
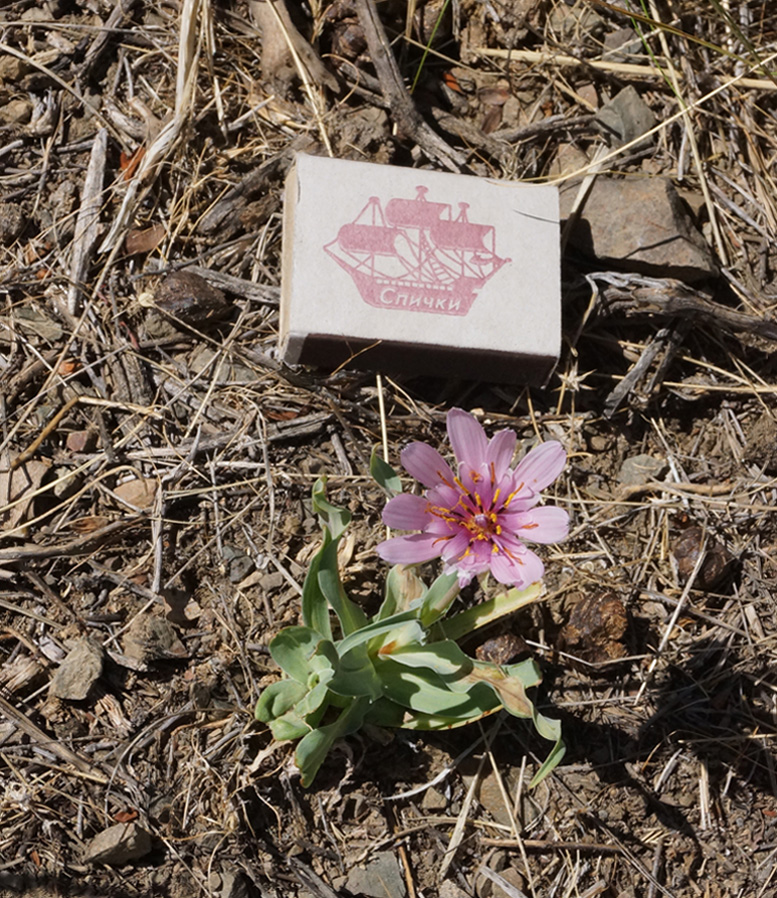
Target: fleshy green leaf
<point x="386" y="477"/>
<point x="334" y="519"/>
<point x="312" y="701"/>
<point x="417" y="720"/>
<point x="315" y="608"/>
<point x="277" y="698"/>
<point x="509" y="685"/>
<point x="357" y="681"/>
<point x="556" y="753"/>
<point x="441" y="657"/>
<point x="289" y="726"/>
<point x="429" y="693"/>
<point x="315" y="746"/>
<point x="487" y="612"/>
<point x="438" y="599"/>
<point x="294" y="648"/>
<point x="380" y="627"/>
<point x="351" y="617"/>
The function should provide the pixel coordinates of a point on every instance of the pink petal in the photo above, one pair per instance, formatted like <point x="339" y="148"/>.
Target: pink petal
<point x="542" y="465"/>
<point x="467" y="438"/>
<point x="475" y="479"/>
<point x="547" y="524"/>
<point x="455" y="547"/>
<point x="406" y="512"/>
<point x="411" y="549"/>
<point x="519" y="571"/>
<point x="500" y="451"/>
<point x="444" y="496"/>
<point x="467" y="568"/>
<point x="426" y="465"/>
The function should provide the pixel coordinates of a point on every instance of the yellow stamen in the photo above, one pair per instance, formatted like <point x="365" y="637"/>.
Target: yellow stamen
<point x="513" y="494"/>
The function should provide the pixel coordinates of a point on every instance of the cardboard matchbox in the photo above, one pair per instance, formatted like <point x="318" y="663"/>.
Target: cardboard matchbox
<point x="400" y="269"/>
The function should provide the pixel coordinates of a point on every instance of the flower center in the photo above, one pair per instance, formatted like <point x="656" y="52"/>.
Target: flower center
<point x="483" y="525"/>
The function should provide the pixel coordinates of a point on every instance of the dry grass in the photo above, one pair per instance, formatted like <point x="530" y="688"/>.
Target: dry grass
<point x="155" y="476"/>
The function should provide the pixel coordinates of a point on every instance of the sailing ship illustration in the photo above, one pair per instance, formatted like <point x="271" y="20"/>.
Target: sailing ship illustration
<point x="417" y="255"/>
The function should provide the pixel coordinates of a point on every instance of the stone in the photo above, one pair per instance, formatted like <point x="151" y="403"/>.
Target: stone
<point x="184" y="299"/>
<point x="81" y="669"/>
<point x="65" y="483"/>
<point x="423" y="272"/>
<point x="151" y="637"/>
<point x="118" y="845"/>
<point x="640" y="469"/>
<point x="449" y="889"/>
<point x="12" y="221"/>
<point x="625" y="118"/>
<point x="434" y="801"/>
<point x="81" y="440"/>
<point x="578" y="23"/>
<point x="619" y="45"/>
<point x="639" y="225"/>
<point x="16" y="112"/>
<point x="239" y="563"/>
<point x="140" y="492"/>
<point x="380" y="878"/>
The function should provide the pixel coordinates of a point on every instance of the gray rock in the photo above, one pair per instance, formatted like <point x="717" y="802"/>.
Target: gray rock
<point x="578" y="23"/>
<point x="239" y="563"/>
<point x="380" y="878"/>
<point x="12" y="222"/>
<point x="625" y="118"/>
<point x="81" y="669"/>
<point x="640" y="225"/>
<point x="640" y="469"/>
<point x="621" y="43"/>
<point x="118" y="844"/>
<point x="449" y="889"/>
<point x="152" y="638"/>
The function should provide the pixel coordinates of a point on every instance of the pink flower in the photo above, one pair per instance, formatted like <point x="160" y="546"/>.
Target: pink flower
<point x="477" y="519"/>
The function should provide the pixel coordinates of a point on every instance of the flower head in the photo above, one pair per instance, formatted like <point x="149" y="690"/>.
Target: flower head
<point x="477" y="518"/>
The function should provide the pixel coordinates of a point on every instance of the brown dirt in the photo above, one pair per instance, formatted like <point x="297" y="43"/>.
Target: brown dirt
<point x="163" y="458"/>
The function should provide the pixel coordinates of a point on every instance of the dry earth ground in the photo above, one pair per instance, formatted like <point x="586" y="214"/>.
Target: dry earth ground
<point x="156" y="459"/>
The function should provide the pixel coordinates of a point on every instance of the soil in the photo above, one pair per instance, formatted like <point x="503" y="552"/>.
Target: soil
<point x="157" y="460"/>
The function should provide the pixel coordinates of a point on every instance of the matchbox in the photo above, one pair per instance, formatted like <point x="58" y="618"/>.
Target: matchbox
<point x="400" y="269"/>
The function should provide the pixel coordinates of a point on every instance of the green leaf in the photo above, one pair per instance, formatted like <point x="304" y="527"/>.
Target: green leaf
<point x="441" y="657"/>
<point x="289" y="726"/>
<point x="334" y="519"/>
<point x="487" y="612"/>
<point x="315" y="608"/>
<point x="312" y="701"/>
<point x="315" y="600"/>
<point x="385" y="713"/>
<point x="417" y="720"/>
<point x="351" y="617"/>
<point x="385" y="476"/>
<point x="438" y="599"/>
<point x="378" y="628"/>
<point x="429" y="693"/>
<point x="277" y="698"/>
<point x="294" y="650"/>
<point x="315" y="746"/>
<point x="509" y="684"/>
<point x="355" y="681"/>
<point x="556" y="753"/>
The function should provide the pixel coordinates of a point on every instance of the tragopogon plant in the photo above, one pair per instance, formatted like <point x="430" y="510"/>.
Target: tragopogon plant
<point x="403" y="667"/>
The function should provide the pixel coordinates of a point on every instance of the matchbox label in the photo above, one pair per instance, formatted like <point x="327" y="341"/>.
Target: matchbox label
<point x="417" y="255"/>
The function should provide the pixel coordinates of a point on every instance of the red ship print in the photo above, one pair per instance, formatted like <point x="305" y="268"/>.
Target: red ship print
<point x="415" y="255"/>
